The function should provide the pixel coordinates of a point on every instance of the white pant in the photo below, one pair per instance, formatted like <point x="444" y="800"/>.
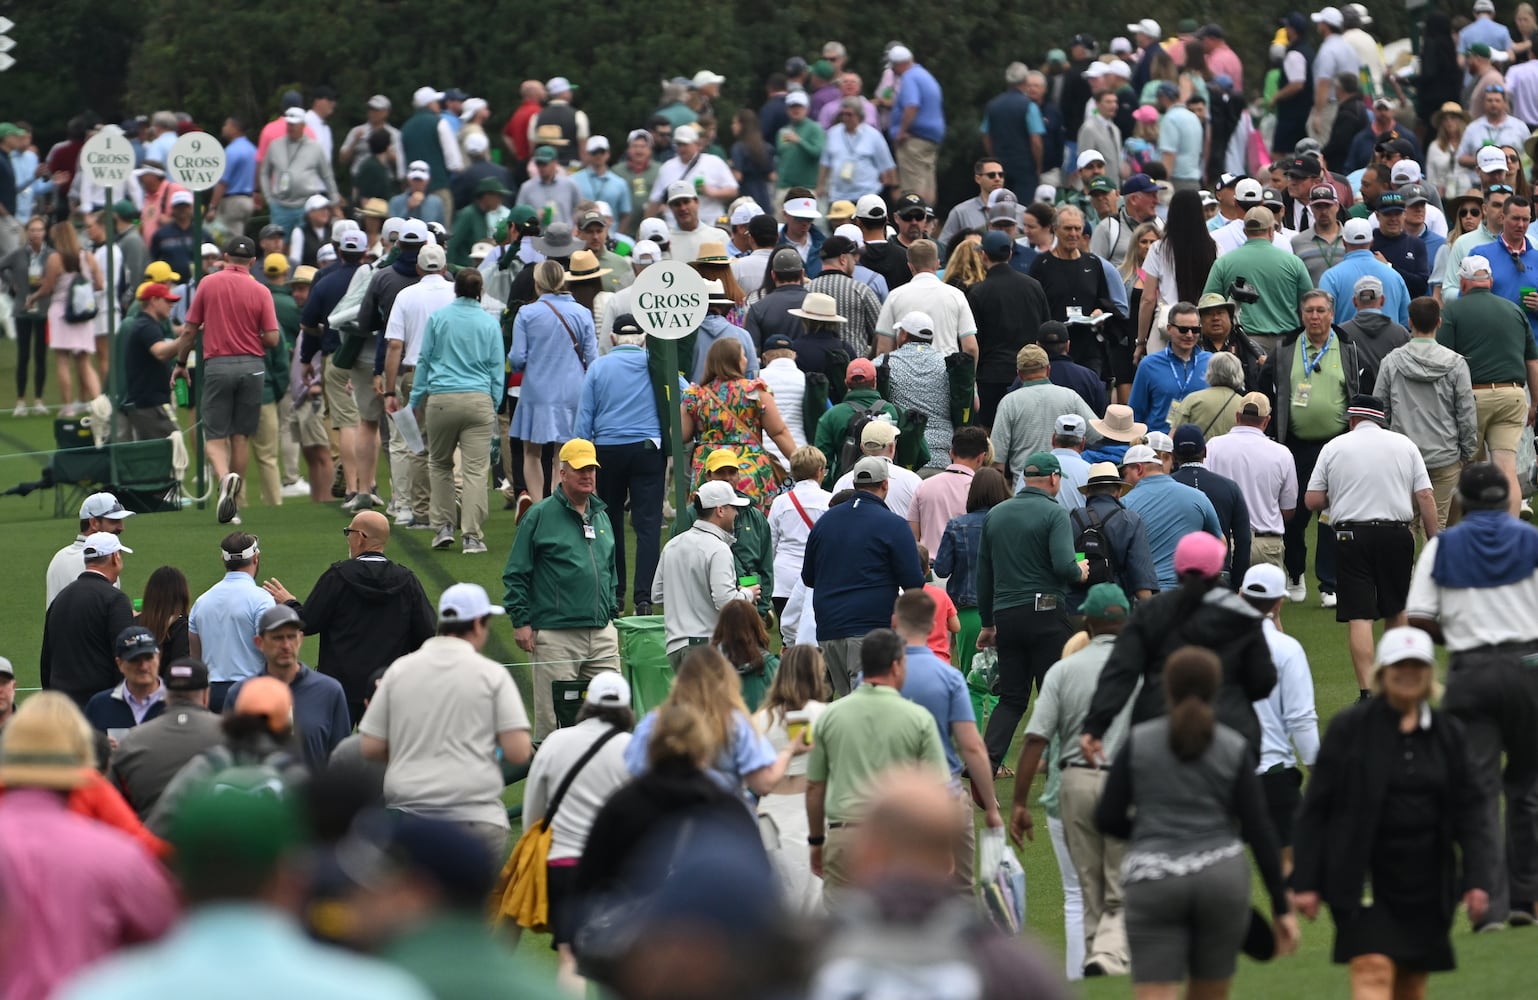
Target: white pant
<point x="1073" y="901"/>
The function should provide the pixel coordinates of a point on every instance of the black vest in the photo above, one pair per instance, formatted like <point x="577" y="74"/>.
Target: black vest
<point x="565" y="116"/>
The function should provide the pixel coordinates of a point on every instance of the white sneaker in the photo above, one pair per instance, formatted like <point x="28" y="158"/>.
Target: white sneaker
<point x="229" y="493"/>
<point x="21" y="410"/>
<point x="473" y="546"/>
<point x="444" y="538"/>
<point x="1297" y="590"/>
<point x="297" y="488"/>
<point x="1327" y="600"/>
<point x="1526" y="511"/>
<point x="403" y="517"/>
<point x="39" y="409"/>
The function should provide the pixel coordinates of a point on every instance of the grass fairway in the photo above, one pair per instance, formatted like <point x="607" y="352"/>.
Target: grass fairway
<point x="299" y="540"/>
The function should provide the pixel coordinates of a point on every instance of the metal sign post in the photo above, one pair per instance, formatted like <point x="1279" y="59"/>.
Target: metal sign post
<point x="670" y="303"/>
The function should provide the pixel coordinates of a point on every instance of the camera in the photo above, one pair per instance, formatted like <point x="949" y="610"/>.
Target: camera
<point x="1243" y="292"/>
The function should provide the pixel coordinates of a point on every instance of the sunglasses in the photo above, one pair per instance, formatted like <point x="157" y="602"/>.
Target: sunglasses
<point x="1464" y="213"/>
<point x="1187" y="329"/>
<point x="1517" y="260"/>
<point x="913" y="216"/>
<point x="992" y="174"/>
<point x="352" y="531"/>
<point x="1495" y="88"/>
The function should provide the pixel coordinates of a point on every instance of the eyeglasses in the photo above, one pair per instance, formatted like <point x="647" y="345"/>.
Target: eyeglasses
<point x="992" y="174"/>
<point x="1186" y="329"/>
<point x="1464" y="213"/>
<point x="352" y="531"/>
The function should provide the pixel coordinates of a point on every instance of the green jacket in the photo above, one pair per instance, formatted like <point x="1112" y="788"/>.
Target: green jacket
<point x="751" y="547"/>
<point x="835" y="424"/>
<point x="1034" y="539"/>
<point x="469" y="229"/>
<point x="798" y="161"/>
<point x="557" y="578"/>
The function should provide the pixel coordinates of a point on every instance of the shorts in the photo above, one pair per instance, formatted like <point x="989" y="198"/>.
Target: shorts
<point x="348" y="407"/>
<point x="309" y="424"/>
<point x="1189" y="926"/>
<point x="232" y="396"/>
<point x="1122" y="368"/>
<point x="1500" y="414"/>
<point x="565" y="903"/>
<point x="1283" y="788"/>
<point x="1373" y="563"/>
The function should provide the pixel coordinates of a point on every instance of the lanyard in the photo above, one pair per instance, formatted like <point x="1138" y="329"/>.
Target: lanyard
<point x="1189" y="367"/>
<point x="1309" y="368"/>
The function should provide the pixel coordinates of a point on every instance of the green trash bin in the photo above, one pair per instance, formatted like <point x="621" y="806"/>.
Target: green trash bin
<point x="644" y="660"/>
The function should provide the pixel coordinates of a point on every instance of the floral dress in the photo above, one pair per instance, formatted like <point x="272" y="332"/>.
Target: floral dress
<point x="727" y="415"/>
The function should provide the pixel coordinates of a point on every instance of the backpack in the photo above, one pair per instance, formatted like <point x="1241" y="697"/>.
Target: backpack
<point x="80" y="305"/>
<point x="849" y="451"/>
<point x="1090" y="538"/>
<point x="266" y="776"/>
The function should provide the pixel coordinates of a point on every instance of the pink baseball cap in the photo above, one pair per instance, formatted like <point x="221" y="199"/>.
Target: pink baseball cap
<point x="1201" y="553"/>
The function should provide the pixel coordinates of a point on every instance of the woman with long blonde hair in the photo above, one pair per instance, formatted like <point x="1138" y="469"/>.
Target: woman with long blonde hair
<point x="789" y="715"/>
<point x="966" y="266"/>
<point x="1442" y="170"/>
<point x="708" y="684"/>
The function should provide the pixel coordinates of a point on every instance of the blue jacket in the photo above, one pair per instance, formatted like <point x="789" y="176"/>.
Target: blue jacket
<point x="109" y="710"/>
<point x="858" y="555"/>
<point x="1163" y="380"/>
<point x="813" y="264"/>
<point x="1069" y="374"/>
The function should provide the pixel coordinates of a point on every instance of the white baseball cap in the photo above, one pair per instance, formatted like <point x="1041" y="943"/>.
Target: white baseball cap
<point x="1357" y="232"/>
<point x="103" y="505"/>
<point x="1329" y="15"/>
<point x="418" y="170"/>
<point x="425" y="96"/>
<point x="715" y="493"/>
<point x="181" y="198"/>
<point x="1489" y="159"/>
<point x="745" y="213"/>
<point x="917" y="324"/>
<point x="654" y="230"/>
<point x="1139" y="454"/>
<point x="314" y="203"/>
<point x="294" y="116"/>
<point x="471" y="108"/>
<point x="797" y="99"/>
<point x="1249" y="192"/>
<point x="1118" y="67"/>
<point x="1407" y="172"/>
<point x="1265" y="581"/>
<point x="558" y="85"/>
<point x="899" y="54"/>
<point x="1473" y="266"/>
<point x="1161" y="442"/>
<point x="431" y="259"/>
<point x="707" y="78"/>
<point x="870" y="206"/>
<point x="103" y="544"/>
<point x="413" y="231"/>
<point x="209" y="250"/>
<point x="354" y="241"/>
<point x="851" y="232"/>
<point x="685" y="133"/>
<point x="645" y="252"/>
<point x="597" y="142"/>
<point x="1147" y="26"/>
<point x="1090" y="156"/>
<point x="609" y="687"/>
<point x="465" y="602"/>
<point x="476" y="143"/>
<point x="1405" y="643"/>
<point x="391" y="230"/>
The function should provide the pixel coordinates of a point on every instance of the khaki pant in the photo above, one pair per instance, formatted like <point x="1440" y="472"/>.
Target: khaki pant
<point x="916" y="166"/>
<point x="1319" y="126"/>
<point x="1267" y="550"/>
<point x="235" y="211"/>
<point x="409" y="480"/>
<point x="1097" y="860"/>
<point x="494" y="838"/>
<point x="965" y="854"/>
<point x="568" y="654"/>
<point x="1501" y="414"/>
<point x="837" y="858"/>
<point x="463" y="420"/>
<point x="1444" y="483"/>
<point x="264" y="452"/>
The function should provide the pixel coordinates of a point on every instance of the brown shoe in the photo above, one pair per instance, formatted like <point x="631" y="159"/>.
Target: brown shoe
<point x="524" y="503"/>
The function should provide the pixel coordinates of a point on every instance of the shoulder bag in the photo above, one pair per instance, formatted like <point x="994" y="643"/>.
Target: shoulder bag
<point x="575" y="344"/>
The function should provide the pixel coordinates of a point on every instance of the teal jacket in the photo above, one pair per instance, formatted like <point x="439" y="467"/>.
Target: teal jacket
<point x="556" y="577"/>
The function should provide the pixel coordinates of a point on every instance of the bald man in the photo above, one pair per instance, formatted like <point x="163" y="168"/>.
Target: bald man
<point x="367" y="610"/>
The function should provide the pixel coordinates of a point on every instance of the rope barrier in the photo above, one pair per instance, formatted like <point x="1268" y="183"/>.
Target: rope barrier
<point x="507" y="666"/>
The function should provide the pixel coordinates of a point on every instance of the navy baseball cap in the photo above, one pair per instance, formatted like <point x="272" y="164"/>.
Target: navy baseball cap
<point x="1139" y="184"/>
<point x="997" y="245"/>
<point x="1188" y="440"/>
<point x="778" y="342"/>
<point x="135" y="641"/>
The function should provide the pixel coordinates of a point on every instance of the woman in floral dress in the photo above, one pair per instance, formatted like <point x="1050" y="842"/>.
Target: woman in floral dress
<point x="728" y="410"/>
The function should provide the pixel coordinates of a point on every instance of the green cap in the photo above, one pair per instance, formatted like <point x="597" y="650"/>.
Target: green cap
<point x="521" y="214"/>
<point x="8" y="129"/>
<point x="1106" y="601"/>
<point x="1043" y="463"/>
<point x="247" y="823"/>
<point x="544" y="154"/>
<point x="1102" y="185"/>
<point x="124" y="209"/>
<point x="823" y="69"/>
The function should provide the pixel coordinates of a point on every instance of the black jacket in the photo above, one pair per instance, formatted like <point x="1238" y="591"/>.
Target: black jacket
<point x="79" y="636"/>
<point x="889" y="259"/>
<point x="1276" y="378"/>
<point x="368" y="612"/>
<point x="1243" y="347"/>
<point x="1009" y="308"/>
<point x="1222" y="622"/>
<point x="1338" y="821"/>
<point x="1233" y="514"/>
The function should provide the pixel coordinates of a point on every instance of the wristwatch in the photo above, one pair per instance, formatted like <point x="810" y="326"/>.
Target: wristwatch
<point x="388" y="395"/>
<point x="816" y="841"/>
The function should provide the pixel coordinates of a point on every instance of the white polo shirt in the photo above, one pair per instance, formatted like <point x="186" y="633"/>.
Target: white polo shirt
<point x="899" y="498"/>
<point x="408" y="318"/>
<point x="945" y="304"/>
<point x="1370" y="474"/>
<point x="1264" y="470"/>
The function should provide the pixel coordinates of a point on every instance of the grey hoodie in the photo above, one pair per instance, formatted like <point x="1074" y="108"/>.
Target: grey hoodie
<point x="1375" y="335"/>
<point x="1426" y="390"/>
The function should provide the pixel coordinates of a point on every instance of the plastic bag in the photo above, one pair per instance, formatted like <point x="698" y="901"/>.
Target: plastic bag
<point x="1527" y="462"/>
<point x="984" y="675"/>
<point x="1004" y="894"/>
<point x="991" y="849"/>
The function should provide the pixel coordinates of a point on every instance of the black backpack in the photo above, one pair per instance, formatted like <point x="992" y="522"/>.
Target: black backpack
<point x="1090" y="538"/>
<point x="849" y="451"/>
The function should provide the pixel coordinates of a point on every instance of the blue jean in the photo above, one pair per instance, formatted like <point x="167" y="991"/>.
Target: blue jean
<point x="285" y="217"/>
<point x="639" y="471"/>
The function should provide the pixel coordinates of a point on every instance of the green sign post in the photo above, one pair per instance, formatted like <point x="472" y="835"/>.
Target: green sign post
<point x="670" y="302"/>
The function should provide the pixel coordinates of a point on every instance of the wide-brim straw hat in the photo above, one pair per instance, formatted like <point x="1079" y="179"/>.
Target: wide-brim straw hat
<point x="584" y="267"/>
<point x="819" y="308"/>
<point x="1448" y="108"/>
<point x="1118" y="425"/>
<point x="1103" y="474"/>
<point x="39" y="749"/>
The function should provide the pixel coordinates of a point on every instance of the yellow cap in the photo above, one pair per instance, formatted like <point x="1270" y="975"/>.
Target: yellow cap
<point x="304" y="274"/>
<point x="721" y="458"/>
<point x="275" y="264"/>
<point x="579" y="454"/>
<point x="841" y="210"/>
<point x="159" y="270"/>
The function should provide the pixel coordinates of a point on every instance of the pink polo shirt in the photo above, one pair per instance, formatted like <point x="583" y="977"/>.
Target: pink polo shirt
<point x="75" y="890"/>
<point x="938" y="499"/>
<point x="234" y="309"/>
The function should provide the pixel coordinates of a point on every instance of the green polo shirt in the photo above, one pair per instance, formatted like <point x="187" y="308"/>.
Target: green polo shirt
<point x="859" y="737"/>
<point x="1325" y="415"/>
<point x="1033" y="540"/>
<point x="1491" y="333"/>
<point x="1280" y="278"/>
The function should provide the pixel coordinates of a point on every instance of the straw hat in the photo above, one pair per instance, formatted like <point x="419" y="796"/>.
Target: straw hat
<point x="1103" y="474"/>
<point x="818" y="308"/>
<point x="1118" y="424"/>
<point x="375" y="208"/>
<point x="549" y="135"/>
<point x="1448" y="108"/>
<point x="584" y="267"/>
<point x="712" y="253"/>
<point x="47" y="745"/>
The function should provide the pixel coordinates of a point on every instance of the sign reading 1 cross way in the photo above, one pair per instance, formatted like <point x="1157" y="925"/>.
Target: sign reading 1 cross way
<point x="108" y="158"/>
<point x="670" y="300"/>
<point x="196" y="161"/>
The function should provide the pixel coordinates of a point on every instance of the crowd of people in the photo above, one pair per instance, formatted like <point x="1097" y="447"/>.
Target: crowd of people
<point x="1044" y="459"/>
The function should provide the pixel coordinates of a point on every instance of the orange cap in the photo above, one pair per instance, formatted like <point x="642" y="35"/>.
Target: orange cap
<point x="269" y="698"/>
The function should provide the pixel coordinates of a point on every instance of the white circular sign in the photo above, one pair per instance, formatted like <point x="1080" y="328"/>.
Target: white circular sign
<point x="108" y="157"/>
<point x="196" y="161"/>
<point x="669" y="300"/>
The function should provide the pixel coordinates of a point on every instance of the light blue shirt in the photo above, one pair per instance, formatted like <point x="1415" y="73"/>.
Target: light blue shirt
<point x="1340" y="281"/>
<point x="608" y="188"/>
<point x="748" y="752"/>
<point x="1181" y="133"/>
<point x="862" y="156"/>
<point x="1287" y="717"/>
<point x="713" y="329"/>
<point x="939" y="689"/>
<point x="1116" y="287"/>
<point x="239" y="167"/>
<point x="1486" y="30"/>
<point x="224" y="620"/>
<point x="1163" y="380"/>
<point x="1170" y="511"/>
<point x="461" y="352"/>
<point x="240" y="951"/>
<point x="919" y="89"/>
<point x="160" y="149"/>
<point x="618" y="406"/>
<point x="1075" y="473"/>
<point x="28" y="185"/>
<point x="430" y="210"/>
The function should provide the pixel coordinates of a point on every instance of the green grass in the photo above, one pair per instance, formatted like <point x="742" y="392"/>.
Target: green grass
<point x="299" y="540"/>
